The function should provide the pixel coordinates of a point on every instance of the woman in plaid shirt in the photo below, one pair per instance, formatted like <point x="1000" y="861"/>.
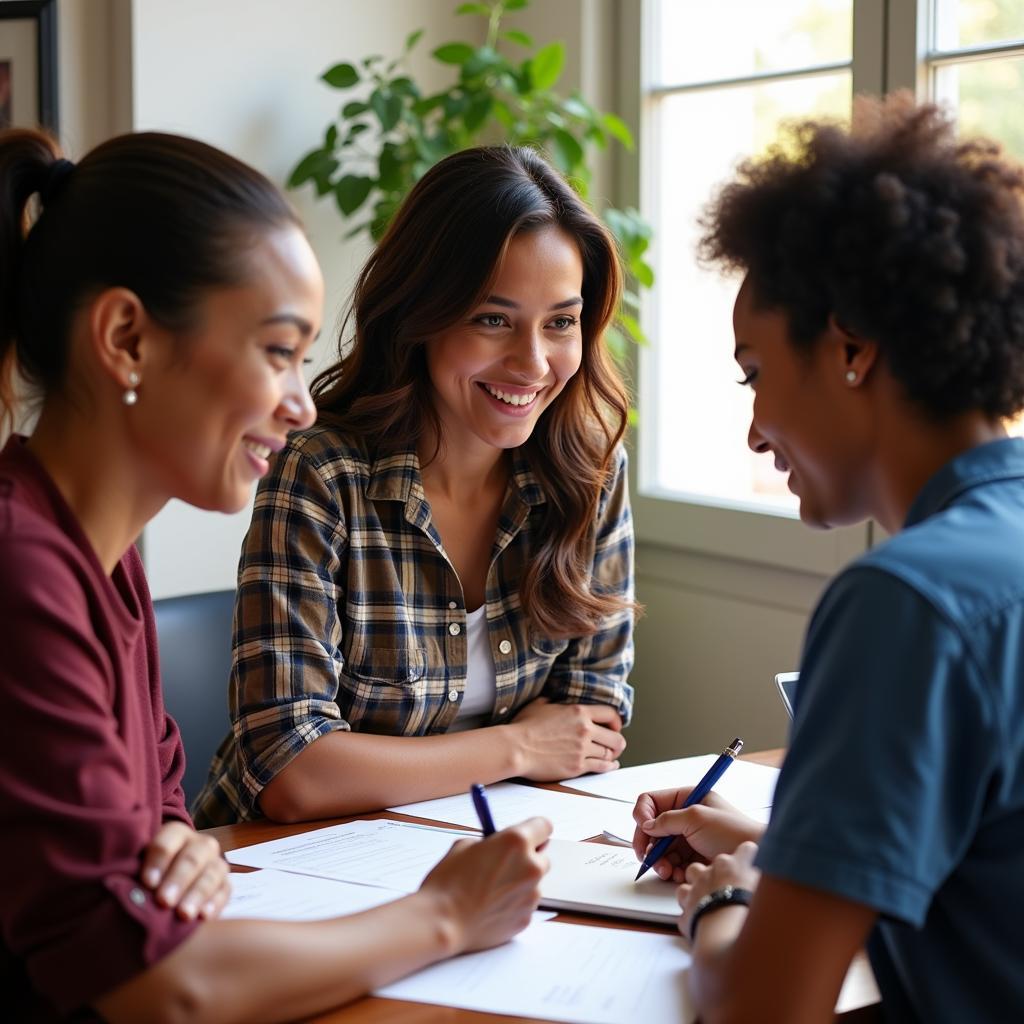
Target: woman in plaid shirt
<point x="437" y="586"/>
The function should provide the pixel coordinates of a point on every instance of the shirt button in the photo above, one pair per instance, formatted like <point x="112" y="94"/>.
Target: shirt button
<point x="452" y="605"/>
<point x="137" y="896"/>
<point x="453" y="695"/>
<point x="503" y="711"/>
<point x="505" y="646"/>
<point x="454" y="628"/>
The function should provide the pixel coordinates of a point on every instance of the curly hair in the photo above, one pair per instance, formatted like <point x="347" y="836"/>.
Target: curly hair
<point x="905" y="234"/>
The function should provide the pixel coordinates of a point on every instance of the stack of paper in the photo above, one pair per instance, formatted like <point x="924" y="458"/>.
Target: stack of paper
<point x="573" y="817"/>
<point x="564" y="972"/>
<point x="749" y="786"/>
<point x="591" y="878"/>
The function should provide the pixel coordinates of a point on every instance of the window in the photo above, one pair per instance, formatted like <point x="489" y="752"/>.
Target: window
<point x="715" y="81"/>
<point x="722" y="78"/>
<point x="975" y="65"/>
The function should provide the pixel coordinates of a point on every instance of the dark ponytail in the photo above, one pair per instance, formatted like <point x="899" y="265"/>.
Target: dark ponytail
<point x="25" y="159"/>
<point x="164" y="216"/>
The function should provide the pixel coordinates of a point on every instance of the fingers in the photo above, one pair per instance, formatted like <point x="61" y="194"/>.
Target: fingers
<point x="195" y="874"/>
<point x="609" y="740"/>
<point x="604" y="714"/>
<point x="536" y="831"/>
<point x="164" y="847"/>
<point x="202" y="890"/>
<point x="212" y="907"/>
<point x="674" y="823"/>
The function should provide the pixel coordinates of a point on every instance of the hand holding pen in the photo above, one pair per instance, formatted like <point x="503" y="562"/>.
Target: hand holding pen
<point x="698" y="820"/>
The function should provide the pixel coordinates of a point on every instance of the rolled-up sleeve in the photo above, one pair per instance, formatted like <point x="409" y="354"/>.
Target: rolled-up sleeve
<point x="287" y="633"/>
<point x="72" y="825"/>
<point x="595" y="669"/>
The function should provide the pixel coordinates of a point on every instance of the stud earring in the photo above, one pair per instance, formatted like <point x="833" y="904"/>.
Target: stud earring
<point x="851" y="376"/>
<point x="131" y="396"/>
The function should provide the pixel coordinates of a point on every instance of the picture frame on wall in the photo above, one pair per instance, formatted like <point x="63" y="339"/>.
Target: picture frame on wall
<point x="28" y="64"/>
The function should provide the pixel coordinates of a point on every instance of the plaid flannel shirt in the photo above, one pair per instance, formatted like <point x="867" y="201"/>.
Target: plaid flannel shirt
<point x="349" y="615"/>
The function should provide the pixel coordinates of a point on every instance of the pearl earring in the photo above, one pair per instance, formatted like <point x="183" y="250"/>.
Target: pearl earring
<point x="131" y="396"/>
<point x="851" y="376"/>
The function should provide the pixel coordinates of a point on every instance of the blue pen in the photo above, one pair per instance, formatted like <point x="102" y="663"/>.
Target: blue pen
<point x="701" y="790"/>
<point x="483" y="810"/>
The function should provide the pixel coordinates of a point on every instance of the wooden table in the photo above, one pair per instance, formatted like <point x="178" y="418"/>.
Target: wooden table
<point x="373" y="1010"/>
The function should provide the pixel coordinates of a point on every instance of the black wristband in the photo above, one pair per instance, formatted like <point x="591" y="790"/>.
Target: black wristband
<point x="724" y="897"/>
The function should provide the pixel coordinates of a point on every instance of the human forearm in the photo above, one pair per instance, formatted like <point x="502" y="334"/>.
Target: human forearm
<point x="263" y="972"/>
<point x="349" y="773"/>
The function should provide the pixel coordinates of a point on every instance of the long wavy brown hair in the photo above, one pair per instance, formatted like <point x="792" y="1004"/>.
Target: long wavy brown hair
<point x="438" y="261"/>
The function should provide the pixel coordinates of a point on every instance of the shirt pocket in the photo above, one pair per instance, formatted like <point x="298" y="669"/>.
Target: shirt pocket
<point x="546" y="647"/>
<point x="391" y="666"/>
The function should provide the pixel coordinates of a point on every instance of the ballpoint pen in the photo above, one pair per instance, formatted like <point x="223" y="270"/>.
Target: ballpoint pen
<point x="483" y="810"/>
<point x="701" y="790"/>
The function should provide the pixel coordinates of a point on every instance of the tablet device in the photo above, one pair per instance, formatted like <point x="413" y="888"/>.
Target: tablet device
<point x="785" y="683"/>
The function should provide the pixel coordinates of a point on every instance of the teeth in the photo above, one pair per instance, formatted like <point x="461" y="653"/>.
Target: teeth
<point x="261" y="450"/>
<point x="504" y="396"/>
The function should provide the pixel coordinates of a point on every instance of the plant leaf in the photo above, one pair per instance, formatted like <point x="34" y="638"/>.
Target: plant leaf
<point x="351" y="192"/>
<point x="316" y="164"/>
<point x="412" y="39"/>
<point x="577" y="108"/>
<point x="423" y="107"/>
<point x="642" y="272"/>
<point x="388" y="108"/>
<point x="454" y="53"/>
<point x="405" y="86"/>
<point x="618" y="129"/>
<point x="482" y="60"/>
<point x="515" y="5"/>
<point x="516" y="36"/>
<point x="633" y="328"/>
<point x="390" y="170"/>
<point x="473" y="9"/>
<point x="341" y="76"/>
<point x="354" y="109"/>
<point x="546" y="66"/>
<point x="478" y="111"/>
<point x="568" y="152"/>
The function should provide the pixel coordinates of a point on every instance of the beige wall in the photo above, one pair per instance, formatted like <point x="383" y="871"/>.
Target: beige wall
<point x="243" y="75"/>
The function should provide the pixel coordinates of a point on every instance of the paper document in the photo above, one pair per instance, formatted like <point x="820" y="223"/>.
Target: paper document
<point x="749" y="786"/>
<point x="573" y="816"/>
<point x="282" y="896"/>
<point x="391" y="854"/>
<point x="563" y="972"/>
<point x="596" y="879"/>
<point x="271" y="895"/>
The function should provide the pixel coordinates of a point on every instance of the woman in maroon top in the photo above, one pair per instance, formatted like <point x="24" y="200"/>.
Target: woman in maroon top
<point x="160" y="305"/>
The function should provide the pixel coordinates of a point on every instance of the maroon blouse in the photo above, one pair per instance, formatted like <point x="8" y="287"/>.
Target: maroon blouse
<point x="90" y="763"/>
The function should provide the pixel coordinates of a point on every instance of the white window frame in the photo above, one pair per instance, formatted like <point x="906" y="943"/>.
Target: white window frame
<point x="890" y="50"/>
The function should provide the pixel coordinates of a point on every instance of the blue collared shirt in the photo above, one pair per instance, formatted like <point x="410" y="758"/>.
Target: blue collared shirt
<point x="903" y="788"/>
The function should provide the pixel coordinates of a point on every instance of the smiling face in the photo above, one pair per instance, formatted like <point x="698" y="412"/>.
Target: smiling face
<point x="804" y="414"/>
<point x="497" y="369"/>
<point x="215" y="404"/>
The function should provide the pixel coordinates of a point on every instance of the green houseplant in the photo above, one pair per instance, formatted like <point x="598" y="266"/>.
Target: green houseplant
<point x="388" y="132"/>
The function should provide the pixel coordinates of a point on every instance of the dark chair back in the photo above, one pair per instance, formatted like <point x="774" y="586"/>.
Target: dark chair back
<point x="194" y="634"/>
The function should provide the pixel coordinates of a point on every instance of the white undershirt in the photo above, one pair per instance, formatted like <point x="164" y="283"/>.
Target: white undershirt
<point x="481" y="683"/>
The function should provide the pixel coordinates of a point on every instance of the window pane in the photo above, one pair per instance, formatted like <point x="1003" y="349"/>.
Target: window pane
<point x="973" y="22"/>
<point x="986" y="96"/>
<point x="692" y="412"/>
<point x="757" y="36"/>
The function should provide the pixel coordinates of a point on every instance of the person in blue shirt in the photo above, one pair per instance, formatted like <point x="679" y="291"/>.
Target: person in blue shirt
<point x="880" y="324"/>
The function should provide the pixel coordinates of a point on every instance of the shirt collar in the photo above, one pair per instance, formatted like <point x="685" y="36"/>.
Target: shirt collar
<point x="396" y="477"/>
<point x="996" y="460"/>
